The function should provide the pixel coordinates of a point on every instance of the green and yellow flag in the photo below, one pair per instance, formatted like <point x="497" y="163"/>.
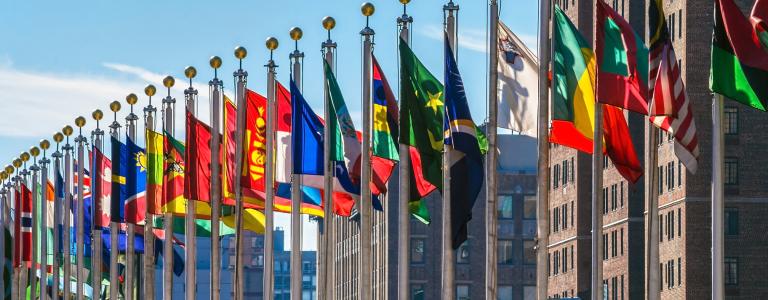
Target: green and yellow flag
<point x="155" y="168"/>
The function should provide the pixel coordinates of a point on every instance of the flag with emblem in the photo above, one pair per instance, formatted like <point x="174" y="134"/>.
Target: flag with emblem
<point x="87" y="219"/>
<point x="155" y="171"/>
<point x="23" y="225"/>
<point x="102" y="188"/>
<point x="518" y="84"/>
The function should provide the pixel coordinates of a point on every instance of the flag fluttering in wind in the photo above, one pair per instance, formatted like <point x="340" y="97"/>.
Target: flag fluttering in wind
<point x="623" y="63"/>
<point x="739" y="62"/>
<point x="155" y="171"/>
<point x="467" y="174"/>
<point x="668" y="90"/>
<point x="102" y="188"/>
<point x="518" y="89"/>
<point x="23" y="226"/>
<point x="760" y="21"/>
<point x="136" y="184"/>
<point x="618" y="144"/>
<point x="385" y="116"/>
<point x="87" y="218"/>
<point x="573" y="95"/>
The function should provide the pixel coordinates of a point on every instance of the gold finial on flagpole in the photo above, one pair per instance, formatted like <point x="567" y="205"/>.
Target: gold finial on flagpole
<point x="45" y="145"/>
<point x="80" y="122"/>
<point x="296" y="33"/>
<point x="131" y="99"/>
<point x="115" y="106"/>
<point x="404" y="2"/>
<point x="34" y="151"/>
<point x="150" y="90"/>
<point x="241" y="52"/>
<point x="190" y="72"/>
<point x="24" y="156"/>
<point x="215" y="63"/>
<point x="3" y="175"/>
<point x="17" y="163"/>
<point x="58" y="137"/>
<point x="97" y="115"/>
<point x="9" y="170"/>
<point x="272" y="44"/>
<point x="368" y="9"/>
<point x="329" y="23"/>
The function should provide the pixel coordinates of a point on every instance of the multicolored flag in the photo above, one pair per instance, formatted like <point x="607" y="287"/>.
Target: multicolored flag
<point x="197" y="170"/>
<point x="88" y="205"/>
<point x="668" y="90"/>
<point x="739" y="68"/>
<point x="467" y="172"/>
<point x="760" y="21"/>
<point x="518" y="84"/>
<point x="622" y="64"/>
<point x="155" y="172"/>
<point x="136" y="183"/>
<point x="23" y="226"/>
<point x="573" y="99"/>
<point x="385" y="116"/>
<point x="119" y="188"/>
<point x="102" y="188"/>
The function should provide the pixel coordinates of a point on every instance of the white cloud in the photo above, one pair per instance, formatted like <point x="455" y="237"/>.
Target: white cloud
<point x="473" y="39"/>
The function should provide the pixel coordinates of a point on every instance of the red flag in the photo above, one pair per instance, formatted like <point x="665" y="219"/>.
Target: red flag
<point x="198" y="161"/>
<point x="23" y="226"/>
<point x="102" y="189"/>
<point x="618" y="143"/>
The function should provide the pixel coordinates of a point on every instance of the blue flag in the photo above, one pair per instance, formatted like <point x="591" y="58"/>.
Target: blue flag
<point x="87" y="219"/>
<point x="129" y="182"/>
<point x="461" y="135"/>
<point x="306" y="136"/>
<point x="119" y="189"/>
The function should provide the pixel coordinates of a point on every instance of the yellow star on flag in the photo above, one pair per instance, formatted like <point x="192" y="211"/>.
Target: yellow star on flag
<point x="434" y="100"/>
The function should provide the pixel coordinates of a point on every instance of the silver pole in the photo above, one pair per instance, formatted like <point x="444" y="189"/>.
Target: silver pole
<point x="98" y="142"/>
<point x="269" y="248"/>
<point x="718" y="284"/>
<point x="403" y="217"/>
<point x="56" y="221"/>
<point x="241" y="77"/>
<point x="149" y="235"/>
<point x="652" y="274"/>
<point x="17" y="269"/>
<point x="491" y="219"/>
<point x="190" y="251"/>
<point x="43" y="226"/>
<point x="296" y="195"/>
<point x="169" y="123"/>
<point x="24" y="276"/>
<point x="3" y="202"/>
<point x="80" y="140"/>
<point x="366" y="209"/>
<point x="326" y="279"/>
<point x="130" y="253"/>
<point x="35" y="227"/>
<point x="448" y="260"/>
<point x="217" y="86"/>
<point x="597" y="205"/>
<point x="67" y="219"/>
<point x="542" y="188"/>
<point x="114" y="285"/>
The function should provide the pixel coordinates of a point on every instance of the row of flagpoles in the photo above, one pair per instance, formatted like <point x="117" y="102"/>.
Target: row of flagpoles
<point x="212" y="168"/>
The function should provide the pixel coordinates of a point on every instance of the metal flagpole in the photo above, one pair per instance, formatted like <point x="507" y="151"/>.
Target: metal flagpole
<point x="326" y="282"/>
<point x="366" y="205"/>
<point x="297" y="57"/>
<point x="15" y="295"/>
<point x="190" y="251"/>
<point x="403" y="217"/>
<point x="542" y="188"/>
<point x="98" y="142"/>
<point x="448" y="259"/>
<point x="44" y="144"/>
<point x="168" y="108"/>
<point x="80" y="140"/>
<point x="3" y="201"/>
<point x="24" y="275"/>
<point x="269" y="248"/>
<point x="149" y="235"/>
<point x="57" y="201"/>
<point x="34" y="151"/>
<point x="717" y="198"/>
<point x="491" y="219"/>
<point x="652" y="283"/>
<point x="130" y="253"/>
<point x="114" y="131"/>
<point x="66" y="214"/>
<point x="241" y="78"/>
<point x="216" y="87"/>
<point x="597" y="205"/>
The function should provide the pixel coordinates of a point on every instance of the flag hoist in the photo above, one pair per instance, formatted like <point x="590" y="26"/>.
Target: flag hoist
<point x="130" y="252"/>
<point x="366" y="206"/>
<point x="114" y="131"/>
<point x="34" y="152"/>
<point x="269" y="266"/>
<point x="190" y="251"/>
<point x="19" y="283"/>
<point x="149" y="236"/>
<point x="450" y="10"/>
<point x="216" y="88"/>
<point x="241" y="77"/>
<point x="25" y="210"/>
<point x="98" y="143"/>
<point x="326" y="255"/>
<point x="57" y="215"/>
<point x="80" y="140"/>
<point x="44" y="145"/>
<point x="17" y="253"/>
<point x="491" y="221"/>
<point x="296" y="57"/>
<point x="66" y="258"/>
<point x="404" y="22"/>
<point x="168" y="108"/>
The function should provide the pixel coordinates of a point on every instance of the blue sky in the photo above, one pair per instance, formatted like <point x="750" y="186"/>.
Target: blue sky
<point x="61" y="59"/>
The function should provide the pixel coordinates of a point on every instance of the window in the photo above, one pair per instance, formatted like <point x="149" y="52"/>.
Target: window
<point x="679" y="271"/>
<point x="417" y="250"/>
<point x="614" y="196"/>
<point x="506" y="252"/>
<point x="605" y="246"/>
<point x="529" y="292"/>
<point x="504" y="292"/>
<point x="462" y="254"/>
<point x="506" y="204"/>
<point x="672" y="225"/>
<point x="462" y="292"/>
<point x="556" y="219"/>
<point x="564" y="213"/>
<point x="622" y="287"/>
<point x="565" y="259"/>
<point x="556" y="261"/>
<point x="556" y="176"/>
<point x="549" y="269"/>
<point x="671" y="174"/>
<point x="731" y="221"/>
<point x="572" y="170"/>
<point x="731" y="120"/>
<point x="661" y="276"/>
<point x="661" y="230"/>
<point x="529" y="207"/>
<point x="572" y="259"/>
<point x="731" y="171"/>
<point x="572" y="216"/>
<point x="565" y="172"/>
<point x="621" y="241"/>
<point x="661" y="175"/>
<point x="679" y="173"/>
<point x="605" y="201"/>
<point x="614" y="244"/>
<point x="614" y="288"/>
<point x="417" y="291"/>
<point x="671" y="273"/>
<point x="679" y="222"/>
<point x="731" y="270"/>
<point x="621" y="194"/>
<point x="529" y="253"/>
<point x="679" y="24"/>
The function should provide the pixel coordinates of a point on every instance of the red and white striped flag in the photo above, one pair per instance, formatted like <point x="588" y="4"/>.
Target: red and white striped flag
<point x="670" y="108"/>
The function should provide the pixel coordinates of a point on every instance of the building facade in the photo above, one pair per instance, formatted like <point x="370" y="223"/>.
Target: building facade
<point x="684" y="198"/>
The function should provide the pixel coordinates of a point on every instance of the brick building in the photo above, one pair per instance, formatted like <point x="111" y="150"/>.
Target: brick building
<point x="684" y="198"/>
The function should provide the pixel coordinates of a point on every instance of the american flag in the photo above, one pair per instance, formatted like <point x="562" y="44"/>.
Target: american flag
<point x="670" y="108"/>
